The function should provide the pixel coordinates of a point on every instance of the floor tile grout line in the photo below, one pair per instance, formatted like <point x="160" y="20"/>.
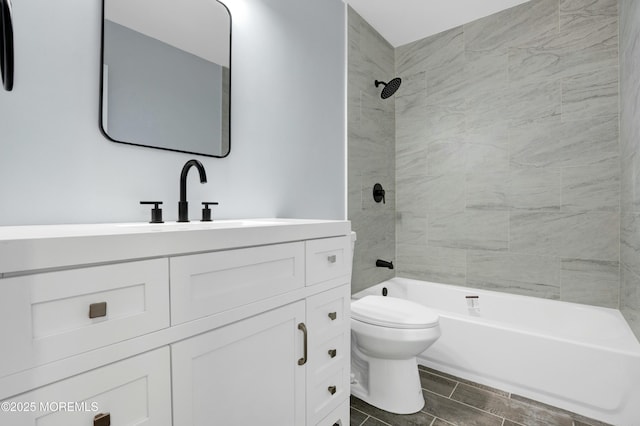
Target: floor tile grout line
<point x="464" y="403"/>
<point x="453" y="390"/>
<point x="375" y="418"/>
<point x="366" y="418"/>
<point x="467" y="382"/>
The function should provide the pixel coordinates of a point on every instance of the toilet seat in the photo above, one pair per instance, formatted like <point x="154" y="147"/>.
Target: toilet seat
<point x="393" y="312"/>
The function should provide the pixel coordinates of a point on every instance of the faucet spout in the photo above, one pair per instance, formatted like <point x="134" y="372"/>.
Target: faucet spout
<point x="183" y="205"/>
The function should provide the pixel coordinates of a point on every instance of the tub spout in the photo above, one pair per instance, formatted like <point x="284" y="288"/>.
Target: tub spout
<point x="384" y="264"/>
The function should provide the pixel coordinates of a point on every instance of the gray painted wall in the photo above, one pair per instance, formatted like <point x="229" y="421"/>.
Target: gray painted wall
<point x="507" y="160"/>
<point x="160" y="95"/>
<point x="288" y="149"/>
<point x="629" y="143"/>
<point x="371" y="124"/>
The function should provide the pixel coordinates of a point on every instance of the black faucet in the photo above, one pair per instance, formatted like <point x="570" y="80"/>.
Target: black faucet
<point x="384" y="264"/>
<point x="183" y="206"/>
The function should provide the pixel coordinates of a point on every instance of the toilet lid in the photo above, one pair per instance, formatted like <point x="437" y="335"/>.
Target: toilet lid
<point x="393" y="312"/>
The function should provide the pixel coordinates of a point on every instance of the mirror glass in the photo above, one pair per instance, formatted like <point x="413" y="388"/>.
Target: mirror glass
<point x="166" y="74"/>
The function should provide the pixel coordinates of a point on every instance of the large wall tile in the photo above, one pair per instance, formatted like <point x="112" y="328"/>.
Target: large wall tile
<point x="518" y="26"/>
<point x="535" y="189"/>
<point x="594" y="187"/>
<point x="588" y="235"/>
<point x="435" y="264"/>
<point x="630" y="299"/>
<point x="371" y="150"/>
<point x="445" y="193"/>
<point x="534" y="102"/>
<point x="411" y="228"/>
<point x="488" y="148"/>
<point x="411" y="194"/>
<point x="446" y="85"/>
<point x="487" y="191"/>
<point x="445" y="123"/>
<point x="568" y="144"/>
<point x="593" y="282"/>
<point x="592" y="94"/>
<point x="524" y="105"/>
<point x="629" y="15"/>
<point x="447" y="157"/>
<point x="471" y="229"/>
<point x="441" y="49"/>
<point x="630" y="240"/>
<point x="537" y="276"/>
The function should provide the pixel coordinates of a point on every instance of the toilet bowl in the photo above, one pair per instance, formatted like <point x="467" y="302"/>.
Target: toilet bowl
<point x="387" y="334"/>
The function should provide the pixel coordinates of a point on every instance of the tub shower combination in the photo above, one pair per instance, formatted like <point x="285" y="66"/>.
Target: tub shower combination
<point x="581" y="358"/>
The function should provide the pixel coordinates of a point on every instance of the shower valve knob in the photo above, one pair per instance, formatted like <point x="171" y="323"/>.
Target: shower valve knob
<point x="378" y="193"/>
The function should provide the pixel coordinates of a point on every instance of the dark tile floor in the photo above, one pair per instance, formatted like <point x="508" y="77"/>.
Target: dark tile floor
<point x="454" y="401"/>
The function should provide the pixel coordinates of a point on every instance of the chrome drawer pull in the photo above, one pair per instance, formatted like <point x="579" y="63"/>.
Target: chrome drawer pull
<point x="332" y="390"/>
<point x="332" y="353"/>
<point x="97" y="310"/>
<point x="102" y="419"/>
<point x="333" y="316"/>
<point x="303" y="328"/>
<point x="332" y="258"/>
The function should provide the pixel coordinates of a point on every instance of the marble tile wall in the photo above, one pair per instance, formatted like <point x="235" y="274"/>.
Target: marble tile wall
<point x="371" y="152"/>
<point x="630" y="164"/>
<point x="507" y="154"/>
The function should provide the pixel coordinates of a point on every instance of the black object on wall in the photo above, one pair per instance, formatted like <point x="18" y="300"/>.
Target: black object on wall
<point x="389" y="88"/>
<point x="6" y="45"/>
<point x="378" y="193"/>
<point x="384" y="264"/>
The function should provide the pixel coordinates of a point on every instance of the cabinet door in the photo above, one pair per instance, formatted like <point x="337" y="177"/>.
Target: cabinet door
<point x="136" y="391"/>
<point x="246" y="373"/>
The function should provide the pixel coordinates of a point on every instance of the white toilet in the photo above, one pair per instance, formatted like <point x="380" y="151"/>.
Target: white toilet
<point x="387" y="334"/>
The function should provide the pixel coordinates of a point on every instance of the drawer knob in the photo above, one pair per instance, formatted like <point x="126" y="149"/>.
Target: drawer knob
<point x="338" y="423"/>
<point x="332" y="390"/>
<point x="333" y="315"/>
<point x="102" y="419"/>
<point x="97" y="310"/>
<point x="332" y="353"/>
<point x="332" y="258"/>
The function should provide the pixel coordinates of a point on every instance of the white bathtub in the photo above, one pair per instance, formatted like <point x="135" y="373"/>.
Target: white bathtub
<point x="578" y="357"/>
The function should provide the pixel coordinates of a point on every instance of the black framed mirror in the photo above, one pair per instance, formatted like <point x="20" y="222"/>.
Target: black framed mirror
<point x="166" y="75"/>
<point x="6" y="45"/>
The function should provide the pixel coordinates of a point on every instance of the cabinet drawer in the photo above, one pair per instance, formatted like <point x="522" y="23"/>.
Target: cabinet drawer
<point x="327" y="334"/>
<point x="338" y="417"/>
<point x="328" y="313"/>
<point x="326" y="393"/>
<point x="328" y="258"/>
<point x="46" y="317"/>
<point x="135" y="391"/>
<point x="205" y="284"/>
<point x="329" y="353"/>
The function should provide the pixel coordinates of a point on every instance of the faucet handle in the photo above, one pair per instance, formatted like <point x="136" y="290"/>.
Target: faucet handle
<point x="206" y="212"/>
<point x="156" y="211"/>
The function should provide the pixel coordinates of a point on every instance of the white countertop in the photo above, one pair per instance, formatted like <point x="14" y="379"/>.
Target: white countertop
<point x="25" y="248"/>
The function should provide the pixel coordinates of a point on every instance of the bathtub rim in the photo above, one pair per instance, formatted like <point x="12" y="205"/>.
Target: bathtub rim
<point x="632" y="348"/>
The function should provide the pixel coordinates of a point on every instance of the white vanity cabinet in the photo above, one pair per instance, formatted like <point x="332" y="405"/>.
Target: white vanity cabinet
<point x="132" y="392"/>
<point x="246" y="373"/>
<point x="218" y="326"/>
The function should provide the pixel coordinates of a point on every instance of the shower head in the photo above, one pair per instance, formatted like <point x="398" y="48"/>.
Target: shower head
<point x="390" y="87"/>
